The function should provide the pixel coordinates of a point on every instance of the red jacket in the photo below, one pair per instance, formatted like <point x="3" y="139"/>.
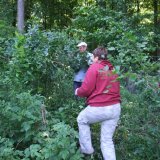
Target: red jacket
<point x="100" y="86"/>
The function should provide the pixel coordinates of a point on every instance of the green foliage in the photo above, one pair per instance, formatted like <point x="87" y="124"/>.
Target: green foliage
<point x="57" y="142"/>
<point x="42" y="13"/>
<point x="127" y="45"/>
<point x="7" y="150"/>
<point x="6" y="33"/>
<point x="138" y="133"/>
<point x="35" y="58"/>
<point x="8" y="12"/>
<point x="6" y="30"/>
<point x="36" y="70"/>
<point x="78" y="60"/>
<point x="74" y="106"/>
<point x="36" y="61"/>
<point x="21" y="116"/>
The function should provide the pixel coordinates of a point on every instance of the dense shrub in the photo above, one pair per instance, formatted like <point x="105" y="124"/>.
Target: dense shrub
<point x="137" y="136"/>
<point x="35" y="72"/>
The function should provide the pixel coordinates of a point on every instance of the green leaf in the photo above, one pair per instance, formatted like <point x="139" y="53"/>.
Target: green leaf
<point x="111" y="48"/>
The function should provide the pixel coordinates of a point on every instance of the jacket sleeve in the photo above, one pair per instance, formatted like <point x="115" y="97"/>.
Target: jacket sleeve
<point x="89" y="82"/>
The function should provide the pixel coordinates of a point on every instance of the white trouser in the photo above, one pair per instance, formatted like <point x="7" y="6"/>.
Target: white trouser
<point x="108" y="116"/>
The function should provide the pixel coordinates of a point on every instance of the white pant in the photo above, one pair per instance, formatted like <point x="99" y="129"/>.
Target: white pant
<point x="108" y="116"/>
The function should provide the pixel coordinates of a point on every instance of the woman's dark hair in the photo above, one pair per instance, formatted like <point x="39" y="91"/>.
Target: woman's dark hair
<point x="101" y="53"/>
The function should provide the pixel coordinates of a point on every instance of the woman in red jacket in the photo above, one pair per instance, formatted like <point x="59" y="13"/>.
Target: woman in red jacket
<point x="102" y="91"/>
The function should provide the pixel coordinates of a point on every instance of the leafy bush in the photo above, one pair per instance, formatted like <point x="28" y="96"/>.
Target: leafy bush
<point x="137" y="136"/>
<point x="20" y="116"/>
<point x="57" y="142"/>
<point x="7" y="150"/>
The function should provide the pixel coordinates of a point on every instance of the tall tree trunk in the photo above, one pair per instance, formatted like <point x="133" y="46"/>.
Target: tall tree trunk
<point x="20" y="15"/>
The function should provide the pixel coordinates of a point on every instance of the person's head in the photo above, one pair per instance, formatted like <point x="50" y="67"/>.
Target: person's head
<point x="100" y="53"/>
<point x="82" y="46"/>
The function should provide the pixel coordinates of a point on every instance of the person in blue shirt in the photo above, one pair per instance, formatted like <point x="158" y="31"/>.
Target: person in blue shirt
<point x="82" y="60"/>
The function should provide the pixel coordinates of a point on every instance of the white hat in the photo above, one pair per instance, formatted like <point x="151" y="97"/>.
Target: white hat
<point x="82" y="44"/>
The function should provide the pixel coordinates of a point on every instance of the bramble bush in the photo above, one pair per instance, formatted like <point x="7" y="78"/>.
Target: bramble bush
<point x="31" y="74"/>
